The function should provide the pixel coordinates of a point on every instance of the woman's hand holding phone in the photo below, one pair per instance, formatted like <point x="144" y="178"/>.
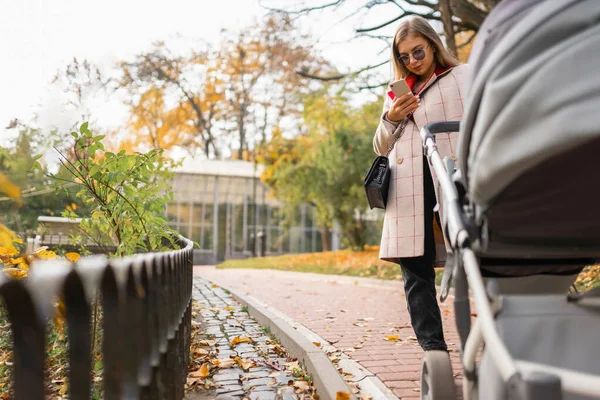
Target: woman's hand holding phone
<point x="402" y="106"/>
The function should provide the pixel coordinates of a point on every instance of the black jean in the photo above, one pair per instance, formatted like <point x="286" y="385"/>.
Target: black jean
<point x="419" y="279"/>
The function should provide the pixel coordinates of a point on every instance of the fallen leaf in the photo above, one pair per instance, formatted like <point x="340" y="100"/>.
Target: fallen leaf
<point x="318" y="344"/>
<point x="224" y="363"/>
<point x="208" y="342"/>
<point x="203" y="372"/>
<point x="358" y="346"/>
<point x="412" y="338"/>
<point x="63" y="389"/>
<point x="342" y="396"/>
<point x="72" y="256"/>
<point x="301" y="386"/>
<point x="202" y="352"/>
<point x="240" y="339"/>
<point x="245" y="364"/>
<point x="214" y="286"/>
<point x="392" y="338"/>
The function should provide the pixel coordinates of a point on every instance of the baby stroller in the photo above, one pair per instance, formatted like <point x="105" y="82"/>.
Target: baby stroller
<point x="520" y="209"/>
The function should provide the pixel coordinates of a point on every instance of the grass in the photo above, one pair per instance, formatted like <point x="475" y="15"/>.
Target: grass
<point x="344" y="262"/>
<point x="57" y="365"/>
<point x="363" y="264"/>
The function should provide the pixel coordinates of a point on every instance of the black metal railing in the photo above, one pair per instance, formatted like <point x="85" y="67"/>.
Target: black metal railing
<point x="146" y="321"/>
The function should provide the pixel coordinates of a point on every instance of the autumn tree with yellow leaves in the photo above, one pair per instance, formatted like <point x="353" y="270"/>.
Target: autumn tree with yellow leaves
<point x="262" y="86"/>
<point x="326" y="165"/>
<point x="218" y="99"/>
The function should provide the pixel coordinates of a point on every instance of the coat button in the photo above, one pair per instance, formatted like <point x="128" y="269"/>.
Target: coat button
<point x="453" y="156"/>
<point x="399" y="160"/>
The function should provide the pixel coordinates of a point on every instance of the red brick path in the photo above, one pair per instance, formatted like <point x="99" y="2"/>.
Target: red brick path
<point x="351" y="313"/>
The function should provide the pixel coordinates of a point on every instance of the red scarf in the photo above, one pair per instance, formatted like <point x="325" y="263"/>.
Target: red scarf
<point x="411" y="80"/>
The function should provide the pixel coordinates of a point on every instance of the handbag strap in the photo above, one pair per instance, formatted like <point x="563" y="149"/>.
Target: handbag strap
<point x="400" y="132"/>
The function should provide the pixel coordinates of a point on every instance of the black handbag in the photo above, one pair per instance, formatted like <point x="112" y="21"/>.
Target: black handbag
<point x="377" y="181"/>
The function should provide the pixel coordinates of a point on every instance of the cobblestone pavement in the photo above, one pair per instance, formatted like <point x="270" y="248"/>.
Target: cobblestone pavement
<point x="250" y="364"/>
<point x="365" y="318"/>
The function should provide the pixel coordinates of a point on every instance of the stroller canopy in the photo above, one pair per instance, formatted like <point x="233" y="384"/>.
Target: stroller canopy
<point x="535" y="92"/>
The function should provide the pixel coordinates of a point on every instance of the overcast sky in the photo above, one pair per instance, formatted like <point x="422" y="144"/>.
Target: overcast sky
<point x="37" y="37"/>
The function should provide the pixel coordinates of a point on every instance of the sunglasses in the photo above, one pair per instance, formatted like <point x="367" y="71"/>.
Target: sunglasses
<point x="418" y="55"/>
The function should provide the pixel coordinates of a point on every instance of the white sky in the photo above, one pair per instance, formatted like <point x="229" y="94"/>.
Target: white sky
<point x="37" y="37"/>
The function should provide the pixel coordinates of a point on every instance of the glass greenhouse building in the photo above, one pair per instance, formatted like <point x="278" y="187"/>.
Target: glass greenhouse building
<point x="224" y="207"/>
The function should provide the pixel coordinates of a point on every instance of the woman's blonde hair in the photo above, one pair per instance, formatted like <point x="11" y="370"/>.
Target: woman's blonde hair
<point x="418" y="26"/>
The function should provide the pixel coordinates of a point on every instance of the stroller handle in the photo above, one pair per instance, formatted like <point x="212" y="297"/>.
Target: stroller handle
<point x="430" y="130"/>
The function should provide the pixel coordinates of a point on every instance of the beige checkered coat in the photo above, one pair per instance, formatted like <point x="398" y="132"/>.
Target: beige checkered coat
<point x="403" y="227"/>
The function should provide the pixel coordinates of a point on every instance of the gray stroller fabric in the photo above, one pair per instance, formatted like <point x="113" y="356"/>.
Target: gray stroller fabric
<point x="535" y="96"/>
<point x="502" y="18"/>
<point x="546" y="330"/>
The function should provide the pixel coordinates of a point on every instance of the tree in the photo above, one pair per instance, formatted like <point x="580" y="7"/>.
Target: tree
<point x="455" y="17"/>
<point x="38" y="191"/>
<point x="325" y="167"/>
<point x="219" y="99"/>
<point x="154" y="77"/>
<point x="259" y="65"/>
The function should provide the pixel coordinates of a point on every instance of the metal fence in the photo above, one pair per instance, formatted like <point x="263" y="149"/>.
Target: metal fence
<point x="146" y="305"/>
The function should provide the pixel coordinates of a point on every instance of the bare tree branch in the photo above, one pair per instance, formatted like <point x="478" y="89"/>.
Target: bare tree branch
<point x="340" y="76"/>
<point x="303" y="10"/>
<point x="404" y="14"/>
<point x="375" y="86"/>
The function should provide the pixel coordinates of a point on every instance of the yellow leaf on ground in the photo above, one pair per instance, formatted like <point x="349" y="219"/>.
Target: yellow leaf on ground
<point x="342" y="396"/>
<point x="203" y="372"/>
<point x="240" y="339"/>
<point x="46" y="255"/>
<point x="73" y="256"/>
<point x="392" y="338"/>
<point x="245" y="364"/>
<point x="14" y="273"/>
<point x="224" y="363"/>
<point x="10" y="189"/>
<point x="63" y="389"/>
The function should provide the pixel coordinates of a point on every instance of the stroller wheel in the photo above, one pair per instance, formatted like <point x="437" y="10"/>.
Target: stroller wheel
<point x="437" y="382"/>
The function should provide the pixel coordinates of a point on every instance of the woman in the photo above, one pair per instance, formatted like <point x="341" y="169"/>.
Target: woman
<point x="436" y="80"/>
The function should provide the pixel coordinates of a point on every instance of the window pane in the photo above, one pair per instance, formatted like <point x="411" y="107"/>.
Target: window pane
<point x="172" y="212"/>
<point x="207" y="243"/>
<point x="183" y="214"/>
<point x="209" y="214"/>
<point x="196" y="230"/>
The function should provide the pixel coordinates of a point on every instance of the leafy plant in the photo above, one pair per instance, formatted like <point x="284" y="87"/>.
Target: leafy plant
<point x="127" y="194"/>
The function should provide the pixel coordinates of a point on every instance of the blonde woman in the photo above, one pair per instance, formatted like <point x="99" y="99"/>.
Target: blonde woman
<point x="436" y="81"/>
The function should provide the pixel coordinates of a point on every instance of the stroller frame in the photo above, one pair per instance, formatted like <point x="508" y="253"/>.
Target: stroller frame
<point x="525" y="380"/>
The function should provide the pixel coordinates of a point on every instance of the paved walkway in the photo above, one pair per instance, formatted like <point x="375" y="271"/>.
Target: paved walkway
<point x="353" y="314"/>
<point x="238" y="355"/>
